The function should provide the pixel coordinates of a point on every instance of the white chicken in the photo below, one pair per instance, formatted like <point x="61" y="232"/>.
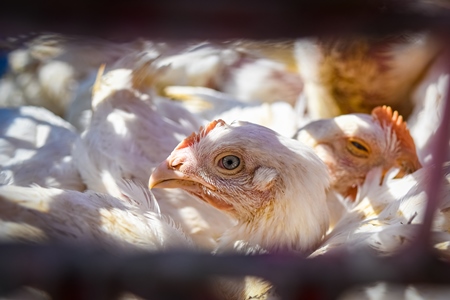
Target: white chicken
<point x="35" y="148"/>
<point x="130" y="133"/>
<point x="351" y="145"/>
<point x="238" y="178"/>
<point x="279" y="206"/>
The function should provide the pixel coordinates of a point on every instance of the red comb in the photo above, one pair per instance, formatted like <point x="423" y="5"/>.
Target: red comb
<point x="202" y="132"/>
<point x="387" y="118"/>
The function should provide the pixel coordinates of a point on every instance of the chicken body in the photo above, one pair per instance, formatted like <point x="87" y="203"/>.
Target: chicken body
<point x="210" y="104"/>
<point x="35" y="148"/>
<point x="49" y="215"/>
<point x="385" y="216"/>
<point x="231" y="68"/>
<point x="355" y="74"/>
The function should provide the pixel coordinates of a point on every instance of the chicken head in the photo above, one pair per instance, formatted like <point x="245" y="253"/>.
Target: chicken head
<point x="274" y="186"/>
<point x="351" y="145"/>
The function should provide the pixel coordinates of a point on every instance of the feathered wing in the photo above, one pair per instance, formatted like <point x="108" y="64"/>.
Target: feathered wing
<point x="36" y="214"/>
<point x="35" y="148"/>
<point x="387" y="216"/>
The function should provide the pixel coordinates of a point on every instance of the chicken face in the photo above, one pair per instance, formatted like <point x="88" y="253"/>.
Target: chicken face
<point x="351" y="145"/>
<point x="242" y="169"/>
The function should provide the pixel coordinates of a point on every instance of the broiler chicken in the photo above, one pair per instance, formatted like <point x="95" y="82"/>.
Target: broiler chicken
<point x="352" y="145"/>
<point x="273" y="185"/>
<point x="234" y="168"/>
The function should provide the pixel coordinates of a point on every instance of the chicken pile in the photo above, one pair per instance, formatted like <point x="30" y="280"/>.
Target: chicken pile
<point x="222" y="147"/>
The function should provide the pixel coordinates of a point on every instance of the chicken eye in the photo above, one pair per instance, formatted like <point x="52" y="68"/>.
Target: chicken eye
<point x="230" y="162"/>
<point x="358" y="148"/>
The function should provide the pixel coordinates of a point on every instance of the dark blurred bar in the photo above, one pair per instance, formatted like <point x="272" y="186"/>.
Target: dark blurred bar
<point x="75" y="273"/>
<point x="219" y="19"/>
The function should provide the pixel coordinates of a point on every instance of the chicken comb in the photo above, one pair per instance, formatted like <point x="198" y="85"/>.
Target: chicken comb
<point x="392" y="119"/>
<point x="202" y="132"/>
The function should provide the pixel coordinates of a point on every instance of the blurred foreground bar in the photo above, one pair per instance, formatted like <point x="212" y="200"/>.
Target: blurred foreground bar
<point x="75" y="273"/>
<point x="220" y="19"/>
